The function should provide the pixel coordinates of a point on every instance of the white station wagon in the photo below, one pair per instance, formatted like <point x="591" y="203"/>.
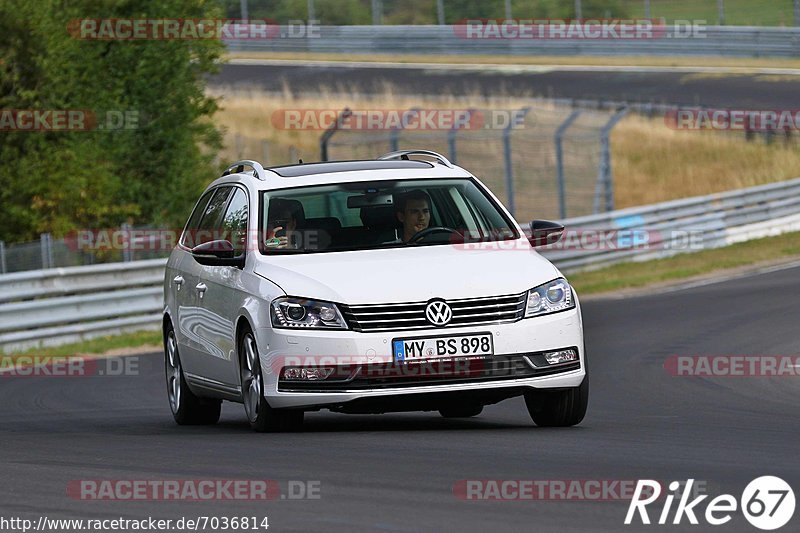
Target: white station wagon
<point x="396" y="284"/>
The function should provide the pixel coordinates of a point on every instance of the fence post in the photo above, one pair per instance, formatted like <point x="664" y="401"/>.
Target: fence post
<point x="238" y="141"/>
<point x="3" y="268"/>
<point x="327" y="134"/>
<point x="394" y="133"/>
<point x="265" y="152"/>
<point x="451" y="138"/>
<point x="604" y="178"/>
<point x="509" y="165"/>
<point x="562" y="188"/>
<point x="44" y="243"/>
<point x="126" y="239"/>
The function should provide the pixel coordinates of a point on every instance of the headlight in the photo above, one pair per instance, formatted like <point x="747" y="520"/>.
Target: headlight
<point x="549" y="298"/>
<point x="310" y="314"/>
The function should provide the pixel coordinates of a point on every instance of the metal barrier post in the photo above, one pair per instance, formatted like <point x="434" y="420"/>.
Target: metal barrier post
<point x="559" y="137"/>
<point x="3" y="268"/>
<point x="509" y="165"/>
<point x="327" y="134"/>
<point x="604" y="177"/>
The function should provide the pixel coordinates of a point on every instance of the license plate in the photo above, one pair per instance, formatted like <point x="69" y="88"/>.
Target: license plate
<point x="442" y="347"/>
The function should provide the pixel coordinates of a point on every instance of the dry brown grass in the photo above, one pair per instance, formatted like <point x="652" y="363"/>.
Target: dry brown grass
<point x="651" y="162"/>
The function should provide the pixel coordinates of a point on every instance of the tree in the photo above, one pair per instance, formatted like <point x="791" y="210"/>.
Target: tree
<point x="57" y="181"/>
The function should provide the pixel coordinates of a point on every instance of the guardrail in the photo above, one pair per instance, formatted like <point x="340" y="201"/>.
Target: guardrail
<point x="741" y="41"/>
<point x="686" y="225"/>
<point x="63" y="305"/>
<point x="57" y="306"/>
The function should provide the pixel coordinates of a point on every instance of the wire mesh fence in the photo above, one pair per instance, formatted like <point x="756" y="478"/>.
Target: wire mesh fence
<point x="542" y="162"/>
<point x="89" y="247"/>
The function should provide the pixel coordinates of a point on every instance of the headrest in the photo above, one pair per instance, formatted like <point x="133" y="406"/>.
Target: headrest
<point x="284" y="205"/>
<point x="379" y="217"/>
<point x="328" y="224"/>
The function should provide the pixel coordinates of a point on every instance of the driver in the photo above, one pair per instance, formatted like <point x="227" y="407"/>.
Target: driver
<point x="414" y="212"/>
<point x="283" y="221"/>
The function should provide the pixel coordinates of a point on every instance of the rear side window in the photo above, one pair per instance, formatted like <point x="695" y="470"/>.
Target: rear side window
<point x="210" y="225"/>
<point x="187" y="239"/>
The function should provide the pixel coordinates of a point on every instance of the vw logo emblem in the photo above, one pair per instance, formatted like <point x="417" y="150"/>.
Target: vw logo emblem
<point x="438" y="313"/>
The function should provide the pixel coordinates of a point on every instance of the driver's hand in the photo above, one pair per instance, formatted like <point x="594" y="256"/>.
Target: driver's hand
<point x="277" y="242"/>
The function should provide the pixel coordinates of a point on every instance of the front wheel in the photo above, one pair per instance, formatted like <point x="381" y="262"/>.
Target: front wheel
<point x="558" y="408"/>
<point x="261" y="416"/>
<point x="187" y="408"/>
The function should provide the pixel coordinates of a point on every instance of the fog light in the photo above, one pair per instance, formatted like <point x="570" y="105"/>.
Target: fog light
<point x="296" y="373"/>
<point x="560" y="356"/>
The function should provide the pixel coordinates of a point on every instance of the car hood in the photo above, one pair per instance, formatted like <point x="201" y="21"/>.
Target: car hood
<point x="410" y="274"/>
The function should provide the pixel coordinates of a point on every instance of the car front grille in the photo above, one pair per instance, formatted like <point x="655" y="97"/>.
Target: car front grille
<point x="466" y="312"/>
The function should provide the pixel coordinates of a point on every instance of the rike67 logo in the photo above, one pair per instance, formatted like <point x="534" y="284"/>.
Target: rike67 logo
<point x="767" y="503"/>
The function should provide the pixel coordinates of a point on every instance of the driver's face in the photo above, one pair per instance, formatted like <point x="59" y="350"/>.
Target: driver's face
<point x="415" y="217"/>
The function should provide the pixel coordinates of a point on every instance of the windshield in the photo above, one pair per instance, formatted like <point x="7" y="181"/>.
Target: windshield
<point x="385" y="214"/>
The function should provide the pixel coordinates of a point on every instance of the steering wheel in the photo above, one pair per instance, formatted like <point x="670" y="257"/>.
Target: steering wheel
<point x="420" y="235"/>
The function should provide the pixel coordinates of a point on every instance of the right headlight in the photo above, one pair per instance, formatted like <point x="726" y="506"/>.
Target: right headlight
<point x="551" y="297"/>
<point x="290" y="312"/>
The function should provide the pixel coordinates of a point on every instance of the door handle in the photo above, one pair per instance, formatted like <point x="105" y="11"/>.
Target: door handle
<point x="201" y="288"/>
<point x="178" y="280"/>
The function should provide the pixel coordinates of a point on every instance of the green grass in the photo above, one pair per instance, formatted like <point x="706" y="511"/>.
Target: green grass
<point x="633" y="275"/>
<point x="737" y="12"/>
<point x="99" y="345"/>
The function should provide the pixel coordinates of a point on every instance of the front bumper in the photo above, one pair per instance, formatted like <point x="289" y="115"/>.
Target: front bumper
<point x="505" y="374"/>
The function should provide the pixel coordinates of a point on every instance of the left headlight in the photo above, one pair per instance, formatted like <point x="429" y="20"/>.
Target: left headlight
<point x="291" y="312"/>
<point x="549" y="298"/>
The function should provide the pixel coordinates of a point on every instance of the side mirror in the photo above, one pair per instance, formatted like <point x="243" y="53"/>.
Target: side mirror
<point x="544" y="232"/>
<point x="217" y="253"/>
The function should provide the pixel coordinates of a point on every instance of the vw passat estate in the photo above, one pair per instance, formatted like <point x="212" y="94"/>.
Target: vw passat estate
<point x="396" y="284"/>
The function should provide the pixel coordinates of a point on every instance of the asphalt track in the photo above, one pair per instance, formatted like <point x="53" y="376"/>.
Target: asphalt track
<point x="709" y="87"/>
<point x="396" y="472"/>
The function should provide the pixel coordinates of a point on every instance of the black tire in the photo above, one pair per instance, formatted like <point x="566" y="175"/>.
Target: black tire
<point x="461" y="411"/>
<point x="261" y="416"/>
<point x="558" y="408"/>
<point x="187" y="408"/>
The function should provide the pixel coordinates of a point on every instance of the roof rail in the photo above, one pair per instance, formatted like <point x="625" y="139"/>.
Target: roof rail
<point x="403" y="154"/>
<point x="239" y="167"/>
